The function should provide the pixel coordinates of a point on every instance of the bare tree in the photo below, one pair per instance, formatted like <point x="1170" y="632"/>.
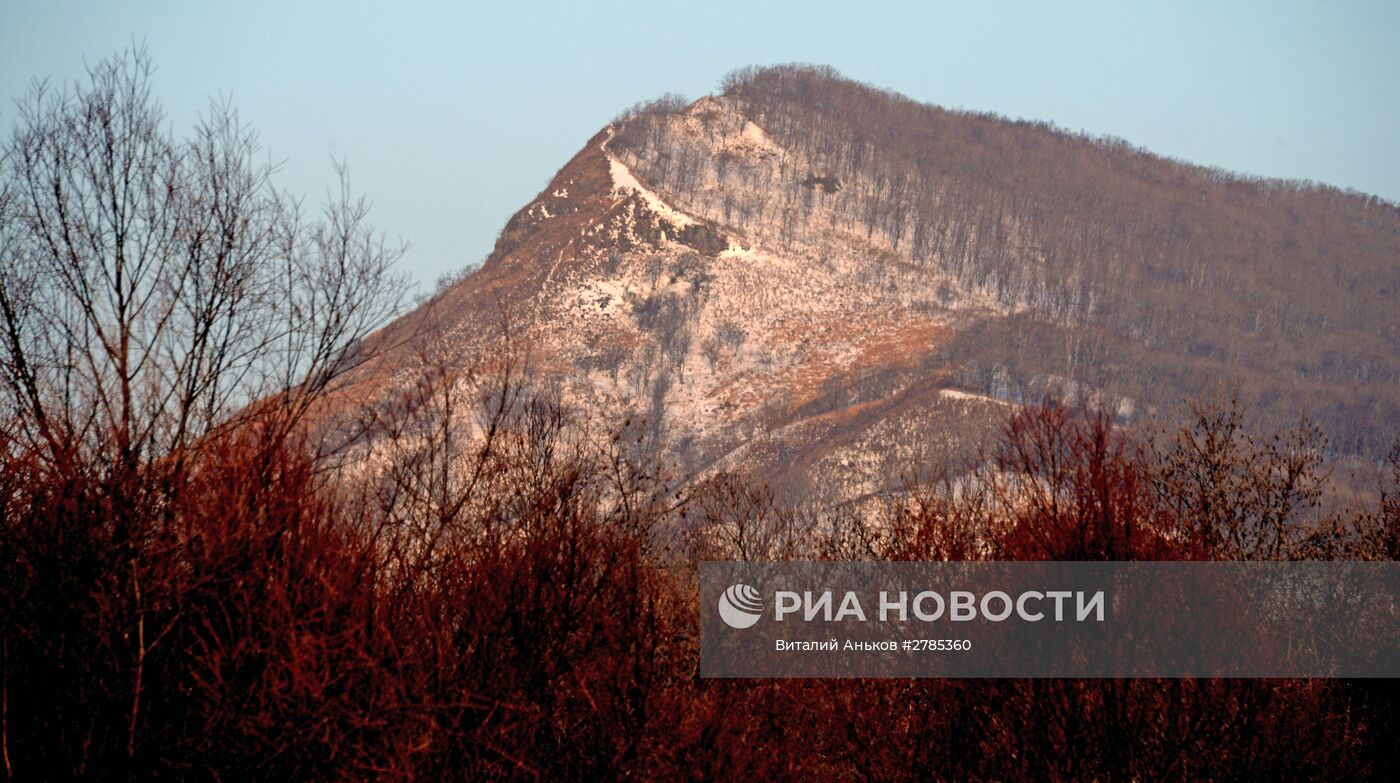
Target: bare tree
<point x="151" y="286"/>
<point x="155" y="290"/>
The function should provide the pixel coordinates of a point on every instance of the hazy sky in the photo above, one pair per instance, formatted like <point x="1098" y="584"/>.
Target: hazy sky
<point x="452" y="117"/>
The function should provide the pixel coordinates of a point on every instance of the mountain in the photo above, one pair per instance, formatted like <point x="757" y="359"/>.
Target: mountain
<point x="824" y="284"/>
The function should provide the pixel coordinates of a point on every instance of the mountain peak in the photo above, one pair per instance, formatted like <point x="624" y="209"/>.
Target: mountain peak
<point x="825" y="283"/>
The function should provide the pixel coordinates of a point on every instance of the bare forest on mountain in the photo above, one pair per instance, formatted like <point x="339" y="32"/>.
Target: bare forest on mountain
<point x="1130" y="273"/>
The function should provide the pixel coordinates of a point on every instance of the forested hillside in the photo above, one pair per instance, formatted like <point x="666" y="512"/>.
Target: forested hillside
<point x="1143" y="277"/>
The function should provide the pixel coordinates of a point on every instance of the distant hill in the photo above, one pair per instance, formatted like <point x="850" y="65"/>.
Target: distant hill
<point x="825" y="283"/>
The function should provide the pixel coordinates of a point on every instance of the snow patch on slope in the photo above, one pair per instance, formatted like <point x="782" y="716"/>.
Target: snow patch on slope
<point x="954" y="394"/>
<point x="754" y="140"/>
<point x="624" y="182"/>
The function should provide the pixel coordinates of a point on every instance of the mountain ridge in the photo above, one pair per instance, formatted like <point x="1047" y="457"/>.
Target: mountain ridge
<point x="823" y="283"/>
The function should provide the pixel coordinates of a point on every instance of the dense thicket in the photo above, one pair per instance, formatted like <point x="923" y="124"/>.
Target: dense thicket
<point x="519" y="604"/>
<point x="1290" y="286"/>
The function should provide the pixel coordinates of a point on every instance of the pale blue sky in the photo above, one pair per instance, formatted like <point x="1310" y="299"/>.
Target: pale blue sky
<point x="452" y="117"/>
